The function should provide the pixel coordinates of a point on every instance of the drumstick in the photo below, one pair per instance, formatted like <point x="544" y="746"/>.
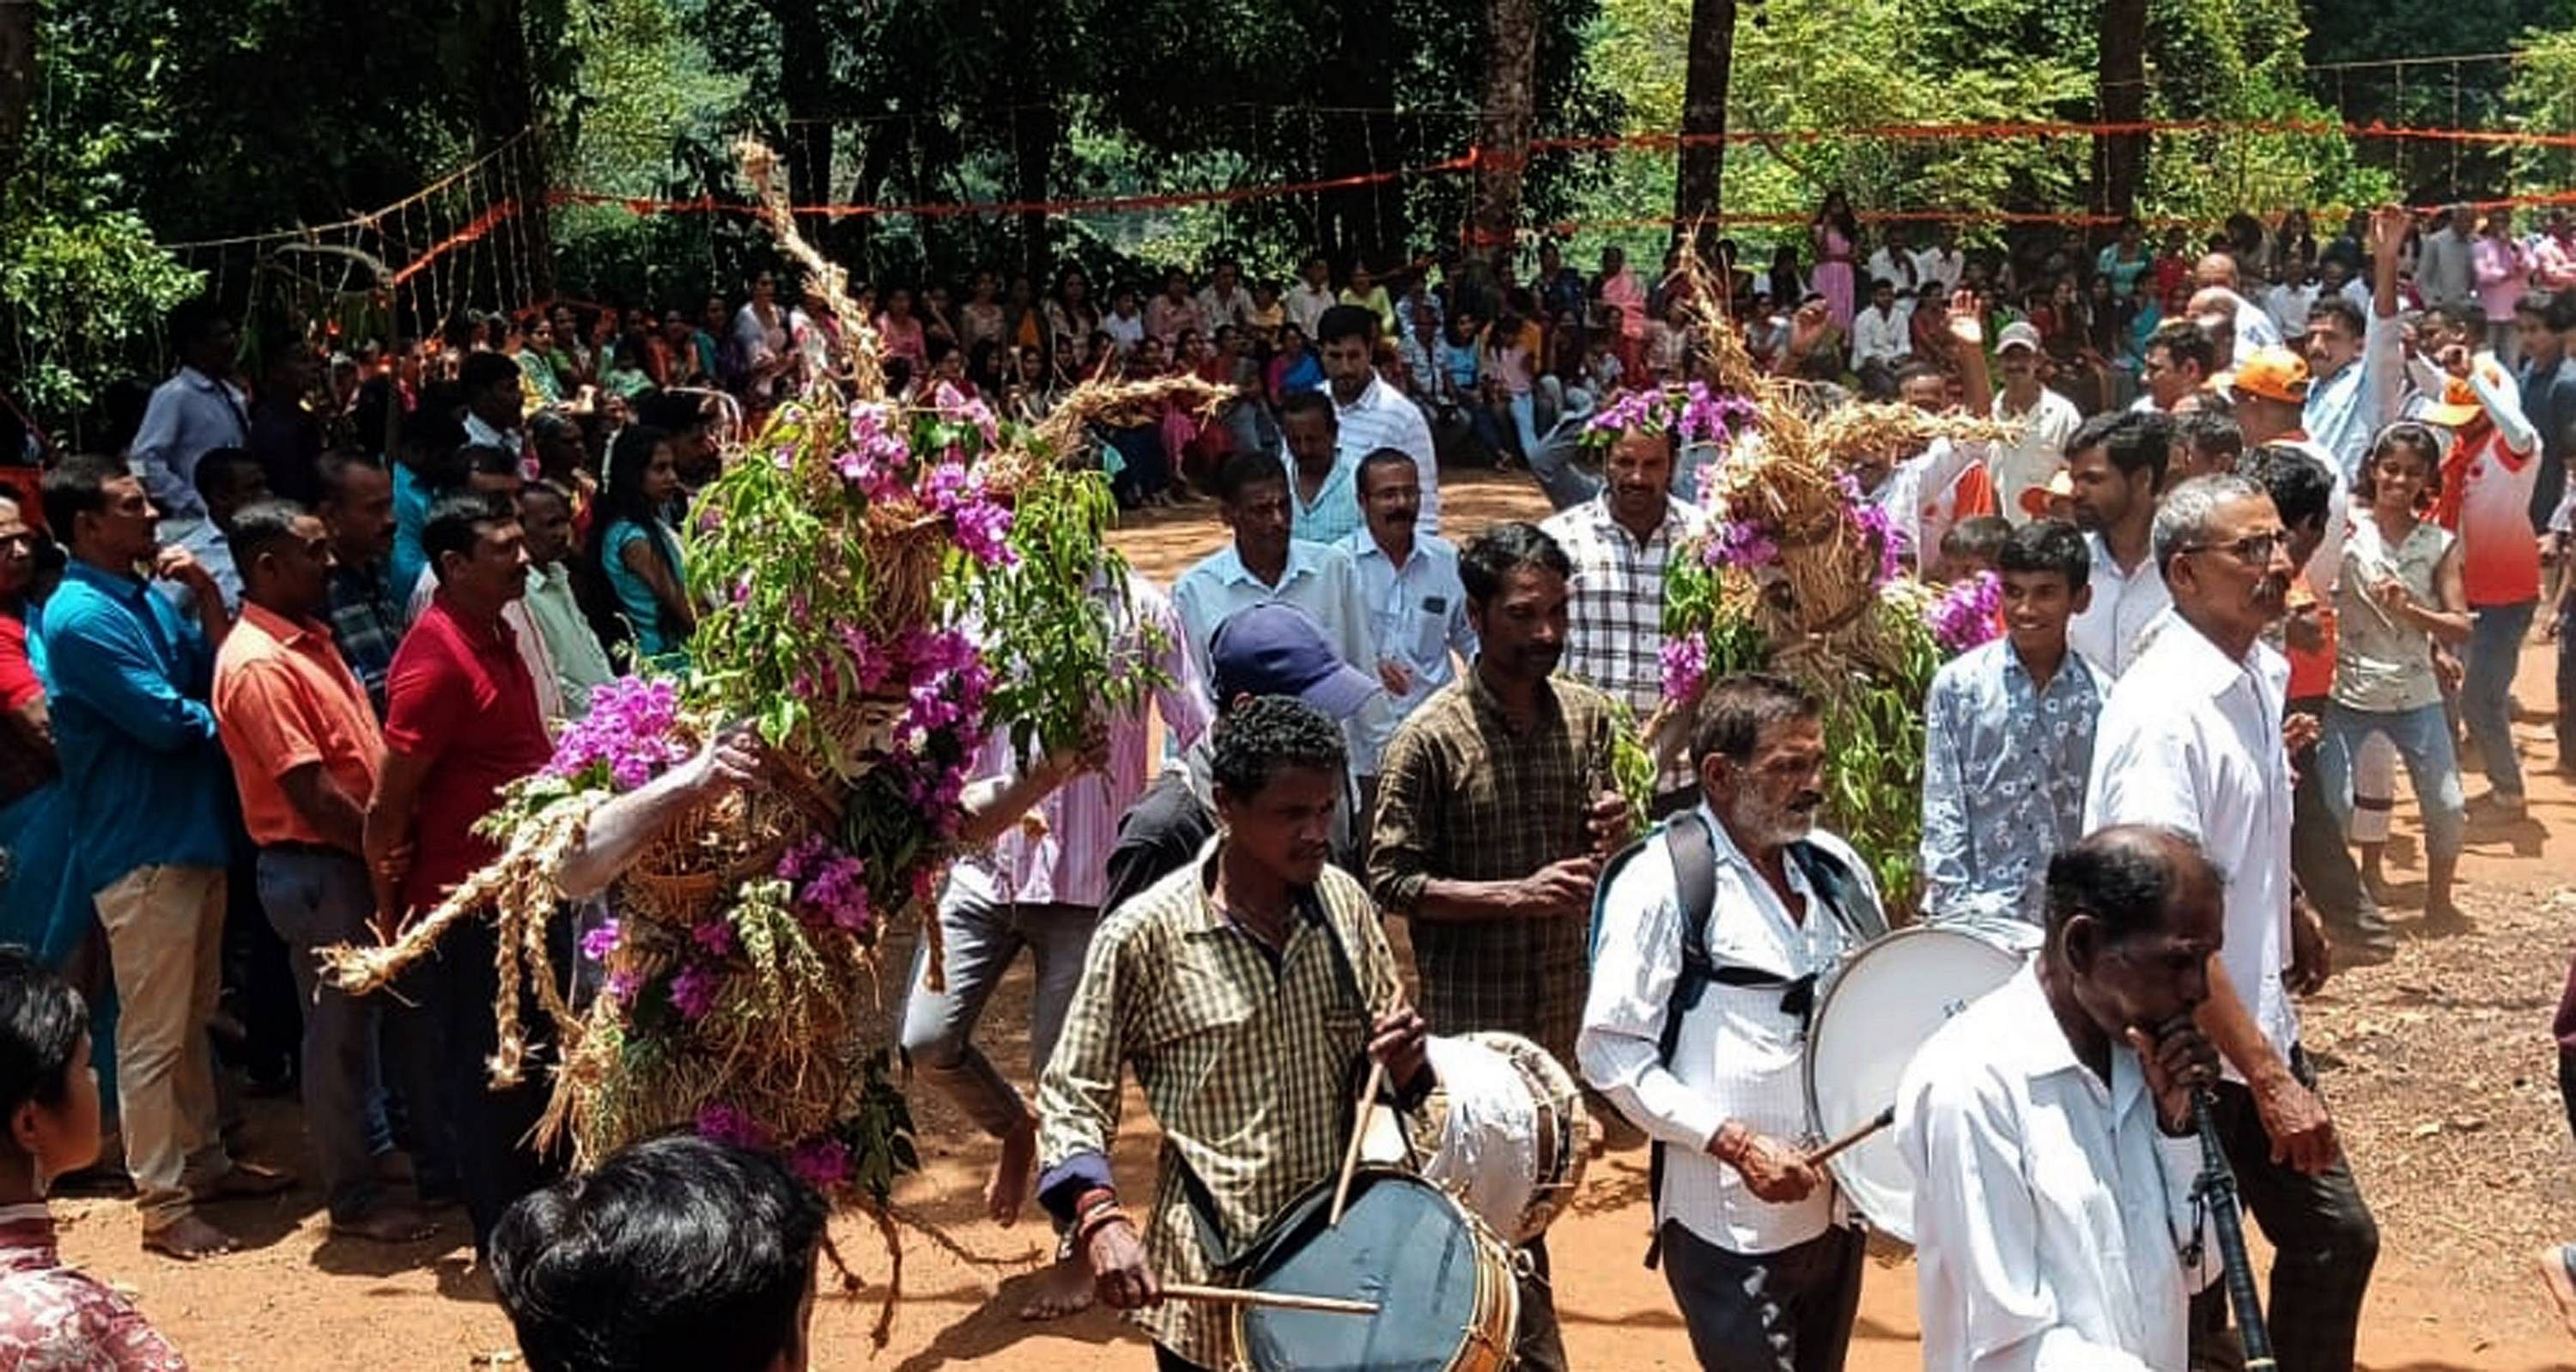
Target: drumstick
<point x="1885" y="1118"/>
<point x="1359" y="1132"/>
<point x="1230" y="1295"/>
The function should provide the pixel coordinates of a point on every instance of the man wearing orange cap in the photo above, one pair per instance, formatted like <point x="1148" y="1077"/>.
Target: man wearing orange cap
<point x="2269" y="394"/>
<point x="2485" y="498"/>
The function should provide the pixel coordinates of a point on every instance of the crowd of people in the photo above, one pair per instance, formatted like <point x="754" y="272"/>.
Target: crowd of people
<point x="2255" y="540"/>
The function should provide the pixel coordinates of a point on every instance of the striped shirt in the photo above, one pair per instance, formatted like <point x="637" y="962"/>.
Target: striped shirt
<point x="1463" y="796"/>
<point x="1615" y="639"/>
<point x="1063" y="858"/>
<point x="1244" y="1054"/>
<point x="1383" y="418"/>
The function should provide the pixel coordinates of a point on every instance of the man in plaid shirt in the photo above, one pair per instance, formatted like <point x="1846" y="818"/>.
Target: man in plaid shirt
<point x="1618" y="543"/>
<point x="1241" y="989"/>
<point x="1493" y="817"/>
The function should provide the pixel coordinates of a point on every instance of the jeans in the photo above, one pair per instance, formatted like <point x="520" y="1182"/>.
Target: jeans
<point x="1524" y="410"/>
<point x="316" y="897"/>
<point x="2319" y="857"/>
<point x="2324" y="1243"/>
<point x="2422" y="737"/>
<point x="1790" y="1311"/>
<point x="980" y="939"/>
<point x="2486" y="692"/>
<point x="165" y="940"/>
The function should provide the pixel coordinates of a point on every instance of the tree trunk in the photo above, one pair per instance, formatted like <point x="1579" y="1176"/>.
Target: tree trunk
<point x="1037" y="131"/>
<point x="1503" y="127"/>
<point x="2120" y="159"/>
<point x="1699" y="190"/>
<point x="805" y="97"/>
<point x="17" y="79"/>
<point x="523" y="261"/>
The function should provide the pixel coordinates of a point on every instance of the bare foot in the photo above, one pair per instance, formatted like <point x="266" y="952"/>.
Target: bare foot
<point x="1013" y="1176"/>
<point x="2562" y="1284"/>
<point x="187" y="1238"/>
<point x="247" y="1179"/>
<point x="1065" y="1289"/>
<point x="387" y="1224"/>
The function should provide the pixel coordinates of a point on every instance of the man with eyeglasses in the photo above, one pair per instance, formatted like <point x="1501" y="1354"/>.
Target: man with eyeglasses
<point x="2192" y="741"/>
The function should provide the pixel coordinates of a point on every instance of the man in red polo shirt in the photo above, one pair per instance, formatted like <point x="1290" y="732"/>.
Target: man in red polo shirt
<point x="461" y="722"/>
<point x="304" y="749"/>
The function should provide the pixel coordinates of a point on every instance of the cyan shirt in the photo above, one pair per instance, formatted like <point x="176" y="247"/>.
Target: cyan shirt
<point x="148" y="783"/>
<point x="2004" y="769"/>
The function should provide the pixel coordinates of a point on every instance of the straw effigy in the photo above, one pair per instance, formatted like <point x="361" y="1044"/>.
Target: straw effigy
<point x="840" y="551"/>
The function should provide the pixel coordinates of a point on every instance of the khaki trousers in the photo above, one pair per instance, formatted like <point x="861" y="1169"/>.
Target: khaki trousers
<point x="165" y="940"/>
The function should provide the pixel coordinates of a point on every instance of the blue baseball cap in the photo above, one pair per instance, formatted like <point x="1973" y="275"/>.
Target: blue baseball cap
<point x="1276" y="649"/>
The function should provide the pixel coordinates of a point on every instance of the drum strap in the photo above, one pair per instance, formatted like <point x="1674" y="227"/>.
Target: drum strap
<point x="1695" y="872"/>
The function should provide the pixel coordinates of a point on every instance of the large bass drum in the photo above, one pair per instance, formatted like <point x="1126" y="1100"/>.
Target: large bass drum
<point x="1878" y="1008"/>
<point x="1443" y="1283"/>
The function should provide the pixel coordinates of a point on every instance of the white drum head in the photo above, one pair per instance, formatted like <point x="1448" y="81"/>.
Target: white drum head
<point x="1879" y="1008"/>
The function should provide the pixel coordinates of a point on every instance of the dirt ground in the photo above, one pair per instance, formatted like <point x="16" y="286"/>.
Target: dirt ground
<point x="2439" y="1066"/>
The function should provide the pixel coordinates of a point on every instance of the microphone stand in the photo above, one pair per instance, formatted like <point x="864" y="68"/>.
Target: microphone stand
<point x="2216" y="1188"/>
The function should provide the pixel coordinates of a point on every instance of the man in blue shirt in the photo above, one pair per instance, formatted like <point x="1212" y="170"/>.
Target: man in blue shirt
<point x="153" y="827"/>
<point x="2008" y="745"/>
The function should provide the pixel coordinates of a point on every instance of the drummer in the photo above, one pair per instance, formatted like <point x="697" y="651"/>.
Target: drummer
<point x="1757" y="1246"/>
<point x="1242" y="989"/>
<point x="2052" y="1210"/>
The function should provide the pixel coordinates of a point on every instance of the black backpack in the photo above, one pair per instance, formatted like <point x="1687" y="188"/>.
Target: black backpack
<point x="1695" y="866"/>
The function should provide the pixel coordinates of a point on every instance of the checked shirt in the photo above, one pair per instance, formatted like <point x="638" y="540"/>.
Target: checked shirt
<point x="1244" y="1054"/>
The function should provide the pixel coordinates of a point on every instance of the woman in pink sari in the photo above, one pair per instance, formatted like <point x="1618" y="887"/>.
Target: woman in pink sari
<point x="1836" y="236"/>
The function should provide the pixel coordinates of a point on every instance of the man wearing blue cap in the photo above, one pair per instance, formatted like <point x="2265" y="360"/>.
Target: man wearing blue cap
<point x="1266" y="650"/>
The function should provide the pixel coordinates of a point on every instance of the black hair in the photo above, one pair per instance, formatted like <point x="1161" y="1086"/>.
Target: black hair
<point x="195" y="319"/>
<point x="674" y="1253"/>
<point x="1347" y="321"/>
<point x="2124" y="877"/>
<point x="2343" y="311"/>
<point x="41" y="1023"/>
<point x="2183" y="342"/>
<point x="2047" y="545"/>
<point x="1245" y="470"/>
<point x="1309" y="402"/>
<point x="334" y="467"/>
<point x="456" y="524"/>
<point x="1265" y="736"/>
<point x="259" y="526"/>
<point x="1980" y="536"/>
<point x="2300" y="486"/>
<point x="2405" y="433"/>
<point x="486" y="459"/>
<point x="213" y="478"/>
<point x="482" y="371"/>
<point x="2133" y="442"/>
<point x="2213" y="431"/>
<point x="77" y="486"/>
<point x="2552" y="310"/>
<point x="1739" y="706"/>
<point x="621" y="487"/>
<point x="1502" y="549"/>
<point x="1379" y="458"/>
<point x="673" y="411"/>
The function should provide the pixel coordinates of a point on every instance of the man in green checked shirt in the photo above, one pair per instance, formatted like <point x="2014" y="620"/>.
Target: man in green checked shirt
<point x="1242" y="990"/>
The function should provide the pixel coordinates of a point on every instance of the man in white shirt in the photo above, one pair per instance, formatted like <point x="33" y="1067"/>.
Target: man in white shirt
<point x="1311" y="296"/>
<point x="1881" y="335"/>
<point x="1417" y="608"/>
<point x="2191" y="740"/>
<point x="1756" y="904"/>
<point x="1374" y="414"/>
<point x="495" y="412"/>
<point x="1224" y="300"/>
<point x="1264" y="564"/>
<point x="2049" y="1128"/>
<point x="2115" y="464"/>
<point x="2446" y="273"/>
<point x="2287" y="302"/>
<point x="2022" y="466"/>
<point x="193" y="413"/>
<point x="1941" y="261"/>
<point x="1894" y="263"/>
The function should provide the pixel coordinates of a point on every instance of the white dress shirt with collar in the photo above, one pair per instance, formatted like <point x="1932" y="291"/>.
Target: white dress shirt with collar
<point x="2112" y="631"/>
<point x="189" y="416"/>
<point x="1740" y="1054"/>
<point x="2192" y="741"/>
<point x="2038" y="454"/>
<point x="1383" y="418"/>
<point x="1318" y="579"/>
<point x="1881" y="335"/>
<point x="2050" y="1209"/>
<point x="1417" y="618"/>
